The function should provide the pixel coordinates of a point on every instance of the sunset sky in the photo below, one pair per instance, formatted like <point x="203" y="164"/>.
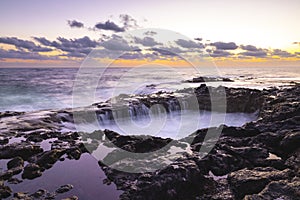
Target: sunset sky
<point x="233" y="32"/>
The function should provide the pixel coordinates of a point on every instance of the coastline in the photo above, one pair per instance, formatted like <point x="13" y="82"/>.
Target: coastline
<point x="250" y="161"/>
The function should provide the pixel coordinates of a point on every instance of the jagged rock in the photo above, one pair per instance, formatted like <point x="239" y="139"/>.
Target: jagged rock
<point x="14" y="180"/>
<point x="180" y="180"/>
<point x="251" y="181"/>
<point x="137" y="144"/>
<point x="74" y="153"/>
<point x="48" y="158"/>
<point x="15" y="162"/>
<point x="209" y="79"/>
<point x="31" y="171"/>
<point x="9" y="173"/>
<point x="21" y="195"/>
<point x="287" y="190"/>
<point x="294" y="161"/>
<point x="290" y="142"/>
<point x="23" y="150"/>
<point x="5" y="191"/>
<point x="276" y="132"/>
<point x="39" y="193"/>
<point x="3" y="140"/>
<point x="10" y="113"/>
<point x="71" y="198"/>
<point x="64" y="188"/>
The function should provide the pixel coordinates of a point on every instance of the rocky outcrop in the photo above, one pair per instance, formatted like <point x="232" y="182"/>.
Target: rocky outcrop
<point x="250" y="181"/>
<point x="283" y="189"/>
<point x="260" y="160"/>
<point x="257" y="157"/>
<point x="202" y="79"/>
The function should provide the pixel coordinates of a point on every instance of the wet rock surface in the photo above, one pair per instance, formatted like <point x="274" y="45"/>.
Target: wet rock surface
<point x="209" y="79"/>
<point x="260" y="160"/>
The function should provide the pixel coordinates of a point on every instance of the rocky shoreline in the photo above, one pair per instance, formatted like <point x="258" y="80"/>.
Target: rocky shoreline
<point x="260" y="160"/>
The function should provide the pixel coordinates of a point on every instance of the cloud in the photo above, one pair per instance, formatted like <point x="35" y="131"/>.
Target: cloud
<point x="132" y="55"/>
<point x="43" y="41"/>
<point x="188" y="44"/>
<point x="146" y="41"/>
<point x="128" y="21"/>
<point x="219" y="53"/>
<point x="224" y="45"/>
<point x="260" y="53"/>
<point x="167" y="51"/>
<point x="198" y="39"/>
<point x="19" y="54"/>
<point x="109" y="26"/>
<point x="78" y="47"/>
<point x="249" y="48"/>
<point x="117" y="43"/>
<point x="75" y="24"/>
<point x="84" y="42"/>
<point x="252" y="51"/>
<point x="23" y="44"/>
<point x="296" y="43"/>
<point x="281" y="53"/>
<point x="150" y="33"/>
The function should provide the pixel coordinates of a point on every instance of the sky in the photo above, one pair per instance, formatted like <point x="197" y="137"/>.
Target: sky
<point x="231" y="32"/>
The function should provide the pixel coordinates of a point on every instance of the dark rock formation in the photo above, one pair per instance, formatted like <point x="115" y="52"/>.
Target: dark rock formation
<point x="209" y="79"/>
<point x="252" y="181"/>
<point x="64" y="188"/>
<point x="260" y="160"/>
<point x="5" y="191"/>
<point x="31" y="171"/>
<point x="23" y="150"/>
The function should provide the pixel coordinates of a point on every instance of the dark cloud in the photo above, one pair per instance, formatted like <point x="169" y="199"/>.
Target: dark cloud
<point x="19" y="54"/>
<point x="225" y="45"/>
<point x="43" y="41"/>
<point x="164" y="52"/>
<point x="260" y="53"/>
<point x="132" y="55"/>
<point x="150" y="33"/>
<point x="128" y="21"/>
<point x="252" y="51"/>
<point x="198" y="39"/>
<point x="79" y="47"/>
<point x="84" y="42"/>
<point x="117" y="43"/>
<point x="23" y="44"/>
<point x="249" y="48"/>
<point x="146" y="41"/>
<point x="219" y="53"/>
<point x="75" y="24"/>
<point x="188" y="44"/>
<point x="281" y="53"/>
<point x="109" y="26"/>
<point x="173" y="52"/>
<point x="296" y="43"/>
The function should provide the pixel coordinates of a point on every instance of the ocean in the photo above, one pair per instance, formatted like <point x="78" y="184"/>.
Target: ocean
<point x="30" y="89"/>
